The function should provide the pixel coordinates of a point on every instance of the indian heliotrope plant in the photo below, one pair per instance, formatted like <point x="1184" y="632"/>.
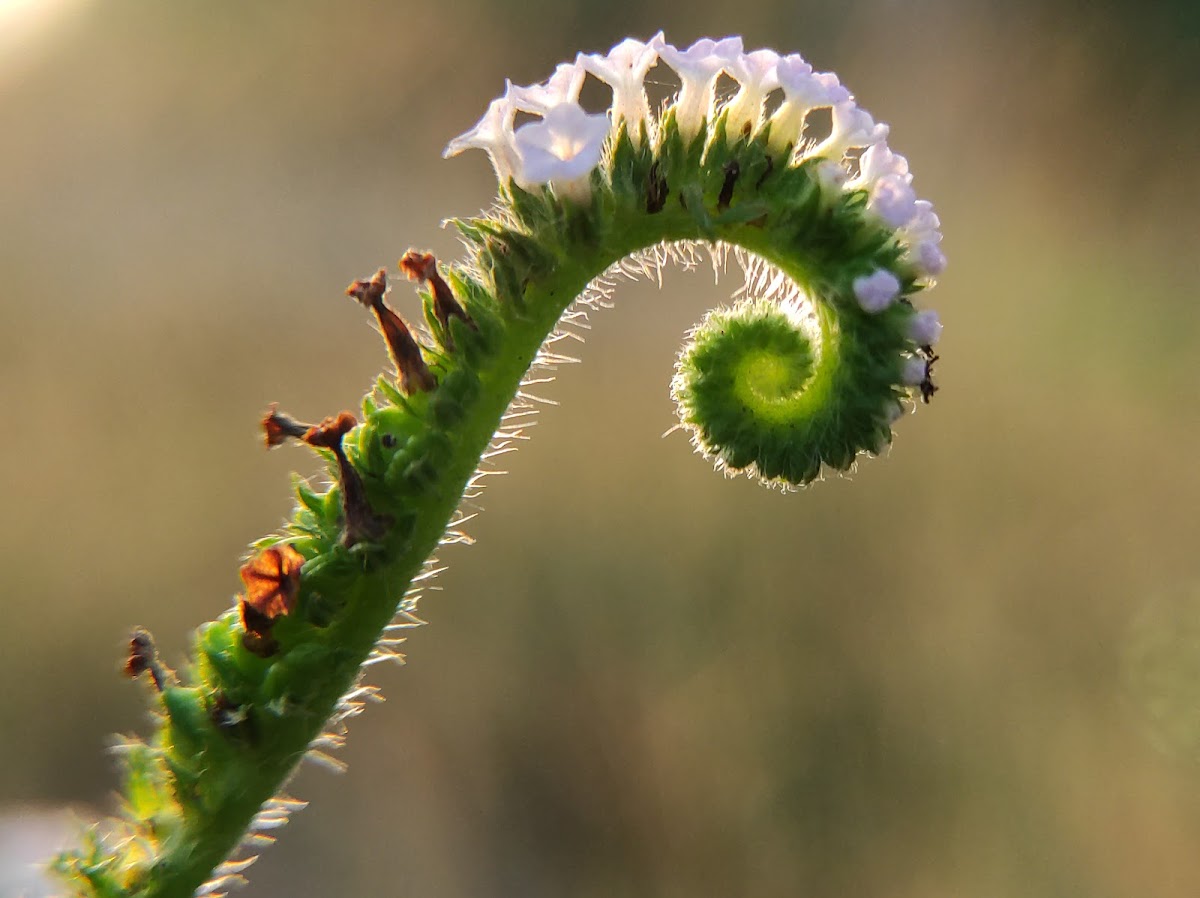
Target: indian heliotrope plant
<point x="808" y="370"/>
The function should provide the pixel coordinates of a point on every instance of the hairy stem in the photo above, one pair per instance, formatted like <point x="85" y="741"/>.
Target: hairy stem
<point x="801" y="380"/>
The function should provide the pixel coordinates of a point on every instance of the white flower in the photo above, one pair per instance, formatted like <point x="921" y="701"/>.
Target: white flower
<point x="923" y="237"/>
<point x="928" y="258"/>
<point x="494" y="134"/>
<point x="803" y="91"/>
<point x="561" y="87"/>
<point x="755" y="73"/>
<point x="852" y="127"/>
<point x="924" y="329"/>
<point x="914" y="372"/>
<point x="876" y="291"/>
<point x="878" y="161"/>
<point x="624" y="70"/>
<point x="926" y="220"/>
<point x="561" y="150"/>
<point x="893" y="200"/>
<point x="698" y="68"/>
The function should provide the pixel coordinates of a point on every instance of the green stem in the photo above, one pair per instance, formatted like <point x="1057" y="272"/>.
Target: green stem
<point x="233" y="732"/>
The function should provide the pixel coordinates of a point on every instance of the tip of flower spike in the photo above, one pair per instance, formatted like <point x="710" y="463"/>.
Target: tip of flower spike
<point x="565" y="143"/>
<point x="563" y="146"/>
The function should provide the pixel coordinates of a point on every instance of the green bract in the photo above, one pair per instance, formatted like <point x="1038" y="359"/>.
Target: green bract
<point x="806" y="373"/>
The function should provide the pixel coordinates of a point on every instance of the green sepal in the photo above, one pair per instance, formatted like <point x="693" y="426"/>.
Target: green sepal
<point x="309" y="498"/>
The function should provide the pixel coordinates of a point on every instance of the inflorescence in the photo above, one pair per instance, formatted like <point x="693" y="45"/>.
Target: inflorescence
<point x="810" y="368"/>
<point x="564" y="150"/>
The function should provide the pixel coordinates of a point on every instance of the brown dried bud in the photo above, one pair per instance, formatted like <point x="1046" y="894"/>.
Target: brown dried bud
<point x="406" y="354"/>
<point x="423" y="267"/>
<point x="403" y="348"/>
<point x="361" y="522"/>
<point x="371" y="292"/>
<point x="278" y="428"/>
<point x="254" y="622"/>
<point x="328" y="434"/>
<point x="272" y="579"/>
<point x="143" y="658"/>
<point x="257" y="639"/>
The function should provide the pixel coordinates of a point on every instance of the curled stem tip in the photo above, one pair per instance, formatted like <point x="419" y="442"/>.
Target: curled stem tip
<point x="806" y="372"/>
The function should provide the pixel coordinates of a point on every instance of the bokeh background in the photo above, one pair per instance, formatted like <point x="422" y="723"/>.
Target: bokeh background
<point x="970" y="669"/>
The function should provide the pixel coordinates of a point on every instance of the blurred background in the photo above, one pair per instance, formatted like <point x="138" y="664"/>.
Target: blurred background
<point x="970" y="669"/>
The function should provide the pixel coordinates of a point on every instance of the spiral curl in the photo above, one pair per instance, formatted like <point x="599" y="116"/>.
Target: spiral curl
<point x="807" y="371"/>
<point x="838" y="241"/>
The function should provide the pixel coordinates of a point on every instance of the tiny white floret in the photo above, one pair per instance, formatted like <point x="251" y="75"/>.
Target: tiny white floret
<point x="925" y="221"/>
<point x="698" y="68"/>
<point x="876" y="291"/>
<point x="561" y="150"/>
<point x="756" y="77"/>
<point x="878" y="161"/>
<point x="928" y="258"/>
<point x="924" y="329"/>
<point x="852" y="127"/>
<point x="914" y="372"/>
<point x="624" y="69"/>
<point x="561" y="87"/>
<point x="494" y="134"/>
<point x="803" y="91"/>
<point x="923" y="236"/>
<point x="893" y="200"/>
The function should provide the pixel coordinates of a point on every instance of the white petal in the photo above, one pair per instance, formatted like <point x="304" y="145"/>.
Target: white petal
<point x="803" y="91"/>
<point x="914" y="372"/>
<point x="924" y="329"/>
<point x="876" y="291"/>
<point x="878" y="161"/>
<point x="755" y="73"/>
<point x="928" y="258"/>
<point x="893" y="200"/>
<point x="563" y="147"/>
<point x="852" y="127"/>
<point x="561" y="87"/>
<point x="698" y="68"/>
<point x="804" y="87"/>
<point x="494" y="134"/>
<point x="624" y="70"/>
<point x="926" y="220"/>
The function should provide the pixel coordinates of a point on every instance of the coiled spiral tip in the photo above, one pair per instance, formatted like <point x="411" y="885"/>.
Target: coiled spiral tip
<point x="761" y="389"/>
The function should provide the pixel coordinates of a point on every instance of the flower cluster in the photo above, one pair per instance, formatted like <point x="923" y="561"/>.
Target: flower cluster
<point x="567" y="143"/>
